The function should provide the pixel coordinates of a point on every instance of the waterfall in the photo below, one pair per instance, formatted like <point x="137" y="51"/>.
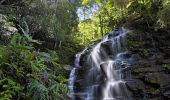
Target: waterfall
<point x="103" y="76"/>
<point x="72" y="76"/>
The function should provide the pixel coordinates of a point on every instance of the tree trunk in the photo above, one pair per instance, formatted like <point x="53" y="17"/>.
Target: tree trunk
<point x="101" y="25"/>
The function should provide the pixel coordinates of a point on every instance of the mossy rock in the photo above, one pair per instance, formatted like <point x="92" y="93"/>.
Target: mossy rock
<point x="159" y="79"/>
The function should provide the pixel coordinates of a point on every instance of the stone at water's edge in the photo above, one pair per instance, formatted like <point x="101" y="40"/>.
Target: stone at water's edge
<point x="147" y="76"/>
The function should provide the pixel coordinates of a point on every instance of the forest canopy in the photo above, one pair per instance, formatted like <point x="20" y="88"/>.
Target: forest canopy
<point x="115" y="13"/>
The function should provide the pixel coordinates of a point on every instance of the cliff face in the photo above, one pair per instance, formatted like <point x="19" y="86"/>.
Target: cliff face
<point x="148" y="70"/>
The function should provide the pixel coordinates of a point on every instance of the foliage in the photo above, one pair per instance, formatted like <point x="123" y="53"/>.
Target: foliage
<point x="26" y="65"/>
<point x="88" y="32"/>
<point x="164" y="19"/>
<point x="8" y="88"/>
<point x="39" y="91"/>
<point x="145" y="14"/>
<point x="67" y="51"/>
<point x="46" y="19"/>
<point x="59" y="17"/>
<point x="133" y="44"/>
<point x="29" y="70"/>
<point x="3" y="55"/>
<point x="25" y="59"/>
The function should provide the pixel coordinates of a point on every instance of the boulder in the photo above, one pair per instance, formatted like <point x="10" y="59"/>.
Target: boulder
<point x="135" y="85"/>
<point x="7" y="29"/>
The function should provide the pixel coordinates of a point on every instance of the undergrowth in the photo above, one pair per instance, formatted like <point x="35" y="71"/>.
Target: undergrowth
<point x="27" y="73"/>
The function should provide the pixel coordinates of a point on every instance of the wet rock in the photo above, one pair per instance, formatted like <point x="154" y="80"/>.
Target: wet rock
<point x="120" y="90"/>
<point x="107" y="47"/>
<point x="78" y="84"/>
<point x="157" y="56"/>
<point x="135" y="85"/>
<point x="166" y="61"/>
<point x="134" y="58"/>
<point x="124" y="55"/>
<point x="102" y="67"/>
<point x="148" y="69"/>
<point x="160" y="79"/>
<point x="114" y="33"/>
<point x="167" y="94"/>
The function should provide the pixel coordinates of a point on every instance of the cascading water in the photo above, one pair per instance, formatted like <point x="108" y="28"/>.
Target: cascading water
<point x="73" y="74"/>
<point x="104" y="78"/>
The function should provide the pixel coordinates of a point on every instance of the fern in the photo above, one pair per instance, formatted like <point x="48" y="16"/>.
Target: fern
<point x="29" y="65"/>
<point x="59" y="88"/>
<point x="3" y="54"/>
<point x="9" y="89"/>
<point x="38" y="65"/>
<point x="26" y="34"/>
<point x="37" y="91"/>
<point x="16" y="43"/>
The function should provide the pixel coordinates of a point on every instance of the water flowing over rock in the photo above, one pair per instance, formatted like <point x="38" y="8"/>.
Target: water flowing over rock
<point x="125" y="65"/>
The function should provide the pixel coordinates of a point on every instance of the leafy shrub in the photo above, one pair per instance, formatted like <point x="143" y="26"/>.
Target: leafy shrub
<point x="8" y="88"/>
<point x="38" y="72"/>
<point x="37" y="91"/>
<point x="40" y="91"/>
<point x="3" y="55"/>
<point x="164" y="16"/>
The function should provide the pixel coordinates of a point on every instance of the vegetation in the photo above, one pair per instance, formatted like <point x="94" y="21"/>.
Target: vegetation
<point x="35" y="73"/>
<point x="145" y="14"/>
<point x="39" y="37"/>
<point x="30" y="63"/>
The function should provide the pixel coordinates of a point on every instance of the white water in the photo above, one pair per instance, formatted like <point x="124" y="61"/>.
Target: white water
<point x="112" y="86"/>
<point x="72" y="77"/>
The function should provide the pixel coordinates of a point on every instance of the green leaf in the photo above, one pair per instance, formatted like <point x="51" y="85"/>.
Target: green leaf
<point x="85" y="2"/>
<point x="5" y="86"/>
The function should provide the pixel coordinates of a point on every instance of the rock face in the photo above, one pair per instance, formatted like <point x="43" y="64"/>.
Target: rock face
<point x="149" y="66"/>
<point x="6" y="28"/>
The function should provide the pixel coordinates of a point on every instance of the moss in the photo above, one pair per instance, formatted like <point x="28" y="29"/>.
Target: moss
<point x="133" y="44"/>
<point x="152" y="79"/>
<point x="166" y="67"/>
<point x="144" y="53"/>
<point x="152" y="91"/>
